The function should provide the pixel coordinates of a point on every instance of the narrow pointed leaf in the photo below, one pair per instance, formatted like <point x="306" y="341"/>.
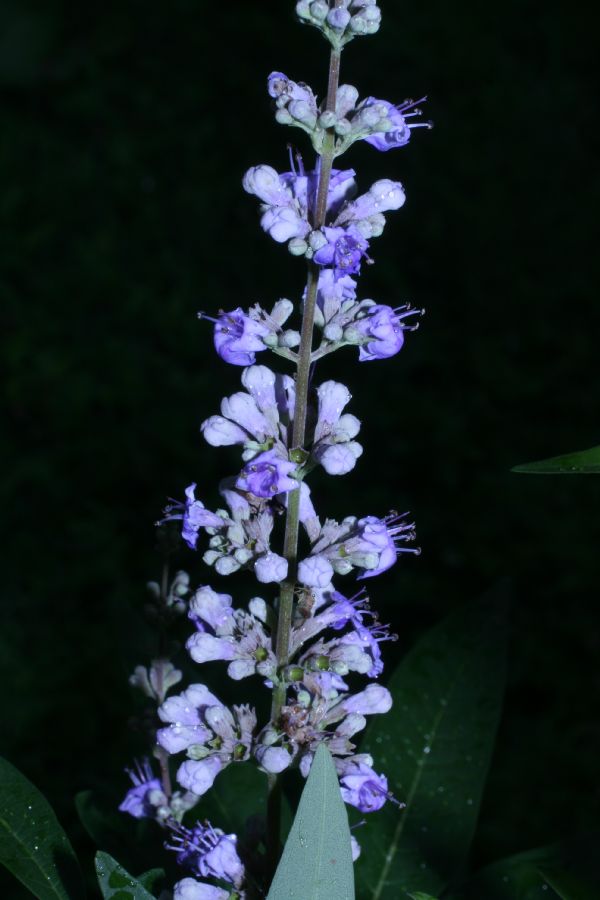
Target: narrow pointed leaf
<point x="568" y="885"/>
<point x="317" y="859"/>
<point x="115" y="882"/>
<point x="33" y="846"/>
<point x="584" y="462"/>
<point x="435" y="747"/>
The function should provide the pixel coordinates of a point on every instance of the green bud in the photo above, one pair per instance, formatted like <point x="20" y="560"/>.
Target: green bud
<point x="239" y="751"/>
<point x="322" y="663"/>
<point x="299" y="456"/>
<point x="260" y="654"/>
<point x="197" y="751"/>
<point x="293" y="673"/>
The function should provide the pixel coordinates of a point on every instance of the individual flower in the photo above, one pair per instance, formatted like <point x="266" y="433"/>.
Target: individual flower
<point x="156" y="681"/>
<point x="212" y="735"/>
<point x="380" y="331"/>
<point x="190" y="889"/>
<point x="235" y="636"/>
<point x="397" y="129"/>
<point x="360" y="785"/>
<point x="370" y="544"/>
<point x="333" y="444"/>
<point x="238" y="337"/>
<point x="267" y="474"/>
<point x="142" y="800"/>
<point x="259" y="418"/>
<point x="343" y="251"/>
<point x="193" y="515"/>
<point x="207" y="852"/>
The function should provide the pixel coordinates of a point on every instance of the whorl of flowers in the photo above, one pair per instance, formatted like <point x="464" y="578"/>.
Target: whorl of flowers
<point x="333" y="641"/>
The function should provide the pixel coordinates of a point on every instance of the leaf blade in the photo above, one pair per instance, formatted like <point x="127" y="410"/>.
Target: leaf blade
<point x="582" y="462"/>
<point x="115" y="882"/>
<point x="317" y="853"/>
<point x="33" y="845"/>
<point x="450" y="682"/>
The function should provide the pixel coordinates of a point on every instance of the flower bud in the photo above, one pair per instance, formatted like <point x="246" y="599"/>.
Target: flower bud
<point x="333" y="332"/>
<point x="343" y="127"/>
<point x="327" y="119"/>
<point x="319" y="10"/>
<point x="297" y="246"/>
<point x="338" y="18"/>
<point x="283" y="117"/>
<point x="289" y="339"/>
<point x="197" y="751"/>
<point x="316" y="240"/>
<point x="293" y="673"/>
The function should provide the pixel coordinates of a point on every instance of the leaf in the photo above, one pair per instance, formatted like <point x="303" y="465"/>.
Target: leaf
<point x="421" y="896"/>
<point x="585" y="462"/>
<point x="317" y="860"/>
<point x="33" y="846"/>
<point x="151" y="879"/>
<point x="237" y="795"/>
<point x="435" y="747"/>
<point x="514" y="878"/>
<point x="567" y="885"/>
<point x="116" y="883"/>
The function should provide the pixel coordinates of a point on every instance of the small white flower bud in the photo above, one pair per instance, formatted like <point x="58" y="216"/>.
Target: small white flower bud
<point x="377" y="223"/>
<point x="333" y="332"/>
<point x="358" y="24"/>
<point x="269" y="737"/>
<point x="347" y="96"/>
<point x="289" y="339"/>
<point x="242" y="555"/>
<point x="319" y="10"/>
<point x="283" y="117"/>
<point x="270" y="340"/>
<point x="301" y="111"/>
<point x="342" y="127"/>
<point x="316" y="240"/>
<point x="297" y="247"/>
<point x="327" y="119"/>
<point x="226" y="565"/>
<point x="303" y="9"/>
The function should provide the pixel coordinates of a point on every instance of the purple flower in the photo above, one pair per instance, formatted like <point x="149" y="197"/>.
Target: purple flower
<point x="137" y="799"/>
<point x="344" y="250"/>
<point x="238" y="337"/>
<point x="362" y="787"/>
<point x="271" y="568"/>
<point x="194" y="516"/>
<point x="190" y="889"/>
<point x="381" y="331"/>
<point x="333" y="295"/>
<point x="333" y="446"/>
<point x="207" y="852"/>
<point x="212" y="735"/>
<point x="267" y="474"/>
<point x="232" y="635"/>
<point x="288" y="199"/>
<point x="315" y="571"/>
<point x="399" y="130"/>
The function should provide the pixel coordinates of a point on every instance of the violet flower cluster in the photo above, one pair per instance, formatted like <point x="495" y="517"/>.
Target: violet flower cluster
<point x="335" y="638"/>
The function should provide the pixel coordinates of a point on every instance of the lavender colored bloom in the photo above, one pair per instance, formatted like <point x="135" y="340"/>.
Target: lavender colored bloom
<point x="232" y="635"/>
<point x="190" y="889"/>
<point x="344" y="250"/>
<point x="381" y="331"/>
<point x="194" y="516"/>
<point x="238" y="337"/>
<point x="271" y="568"/>
<point x="398" y="133"/>
<point x="315" y="571"/>
<point x="267" y="474"/>
<point x="374" y="699"/>
<point x="207" y="852"/>
<point x="333" y="446"/>
<point x="334" y="295"/>
<point x="362" y="787"/>
<point x="383" y="196"/>
<point x="212" y="735"/>
<point x="137" y="799"/>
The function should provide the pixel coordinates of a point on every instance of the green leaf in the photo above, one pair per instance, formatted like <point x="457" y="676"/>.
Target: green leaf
<point x="421" y="896"/>
<point x="239" y="793"/>
<point x="116" y="883"/>
<point x="317" y="859"/>
<point x="33" y="846"/>
<point x="514" y="878"/>
<point x="151" y="879"/>
<point x="435" y="747"/>
<point x="567" y="885"/>
<point x="585" y="462"/>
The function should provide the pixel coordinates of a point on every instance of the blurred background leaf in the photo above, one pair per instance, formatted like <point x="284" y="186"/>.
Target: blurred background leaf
<point x="585" y="462"/>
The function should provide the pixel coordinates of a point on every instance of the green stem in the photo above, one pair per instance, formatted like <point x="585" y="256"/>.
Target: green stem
<point x="290" y="544"/>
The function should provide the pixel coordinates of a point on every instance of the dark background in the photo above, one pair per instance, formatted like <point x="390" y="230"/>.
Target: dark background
<point x="126" y="128"/>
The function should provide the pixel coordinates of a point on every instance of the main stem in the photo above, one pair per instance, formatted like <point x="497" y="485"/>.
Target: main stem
<point x="292" y="522"/>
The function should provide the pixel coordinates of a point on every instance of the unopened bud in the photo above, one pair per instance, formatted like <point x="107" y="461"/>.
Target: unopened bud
<point x="327" y="119"/>
<point x="297" y="246"/>
<point x="316" y="240"/>
<point x="289" y="339"/>
<point x="319" y="10"/>
<point x="333" y="332"/>
<point x="342" y="127"/>
<point x="197" y="751"/>
<point x="283" y="117"/>
<point x="293" y="673"/>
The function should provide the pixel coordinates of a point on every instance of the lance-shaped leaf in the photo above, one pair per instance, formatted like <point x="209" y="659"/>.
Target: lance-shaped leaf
<point x="568" y="885"/>
<point x="33" y="846"/>
<point x="317" y="859"/>
<point x="115" y="882"/>
<point x="584" y="462"/>
<point x="435" y="747"/>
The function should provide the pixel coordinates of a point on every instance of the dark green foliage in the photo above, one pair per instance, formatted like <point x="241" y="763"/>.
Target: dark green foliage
<point x="117" y="884"/>
<point x="435" y="746"/>
<point x="585" y="462"/>
<point x="33" y="846"/>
